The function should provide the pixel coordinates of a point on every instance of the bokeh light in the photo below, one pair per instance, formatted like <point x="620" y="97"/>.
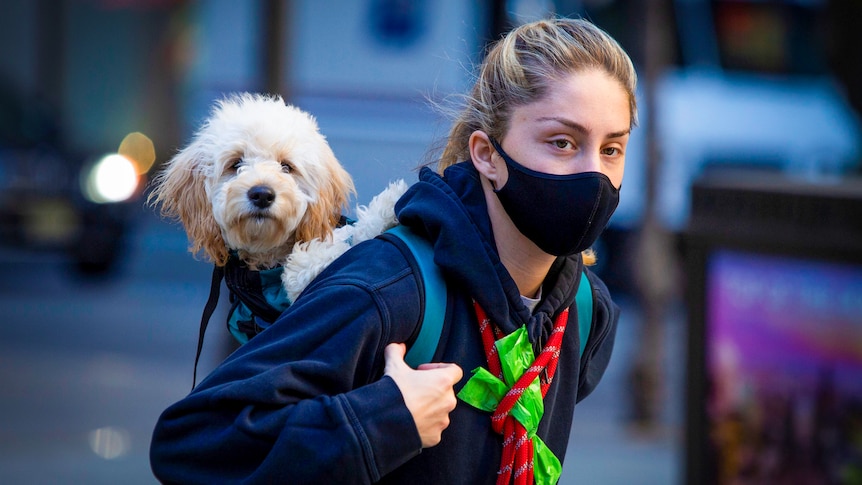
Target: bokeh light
<point x="110" y="442"/>
<point x="114" y="178"/>
<point x="138" y="148"/>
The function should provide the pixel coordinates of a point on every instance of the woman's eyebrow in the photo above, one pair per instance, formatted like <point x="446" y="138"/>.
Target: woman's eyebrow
<point x="581" y="128"/>
<point x="619" y="134"/>
<point x="567" y="122"/>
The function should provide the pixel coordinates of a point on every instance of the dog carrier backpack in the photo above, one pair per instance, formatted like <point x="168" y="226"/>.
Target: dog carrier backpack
<point x="422" y="350"/>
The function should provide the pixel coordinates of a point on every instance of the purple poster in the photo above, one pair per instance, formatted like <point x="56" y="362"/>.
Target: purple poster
<point x="784" y="354"/>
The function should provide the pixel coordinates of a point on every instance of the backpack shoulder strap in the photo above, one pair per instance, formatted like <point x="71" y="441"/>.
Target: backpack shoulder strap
<point x="212" y="303"/>
<point x="422" y="350"/>
<point x="584" y="302"/>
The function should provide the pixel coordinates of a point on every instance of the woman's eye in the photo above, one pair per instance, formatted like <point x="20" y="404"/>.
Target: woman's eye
<point x="562" y="144"/>
<point x="611" y="151"/>
<point x="286" y="167"/>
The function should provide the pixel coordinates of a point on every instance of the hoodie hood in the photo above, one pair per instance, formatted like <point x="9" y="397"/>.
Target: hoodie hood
<point x="451" y="212"/>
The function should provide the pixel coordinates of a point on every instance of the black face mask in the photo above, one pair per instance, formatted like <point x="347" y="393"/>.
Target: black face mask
<point x="561" y="214"/>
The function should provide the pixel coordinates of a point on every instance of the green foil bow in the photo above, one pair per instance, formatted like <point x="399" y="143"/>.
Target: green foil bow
<point x="485" y="391"/>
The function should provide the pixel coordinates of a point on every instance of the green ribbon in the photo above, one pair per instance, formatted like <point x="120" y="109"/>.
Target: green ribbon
<point x="485" y="391"/>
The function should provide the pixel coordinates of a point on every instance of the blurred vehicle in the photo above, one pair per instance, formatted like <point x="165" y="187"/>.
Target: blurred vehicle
<point x="54" y="199"/>
<point x="751" y="87"/>
<point x="746" y="86"/>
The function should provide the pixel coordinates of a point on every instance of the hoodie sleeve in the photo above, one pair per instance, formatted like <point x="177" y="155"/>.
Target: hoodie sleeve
<point x="597" y="353"/>
<point x="299" y="403"/>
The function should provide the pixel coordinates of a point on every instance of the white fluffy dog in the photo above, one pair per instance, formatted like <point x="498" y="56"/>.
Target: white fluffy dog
<point x="259" y="180"/>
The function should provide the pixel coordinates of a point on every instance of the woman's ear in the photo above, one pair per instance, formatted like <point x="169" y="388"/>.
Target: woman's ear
<point x="482" y="154"/>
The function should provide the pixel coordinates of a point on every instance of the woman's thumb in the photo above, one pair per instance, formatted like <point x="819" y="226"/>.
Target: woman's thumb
<point x="394" y="356"/>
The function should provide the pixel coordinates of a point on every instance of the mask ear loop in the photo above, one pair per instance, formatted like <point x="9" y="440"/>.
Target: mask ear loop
<point x="499" y="150"/>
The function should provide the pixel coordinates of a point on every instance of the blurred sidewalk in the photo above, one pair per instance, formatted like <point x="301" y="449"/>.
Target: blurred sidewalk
<point x="604" y="449"/>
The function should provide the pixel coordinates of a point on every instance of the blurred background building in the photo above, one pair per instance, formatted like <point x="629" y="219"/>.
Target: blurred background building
<point x="763" y="93"/>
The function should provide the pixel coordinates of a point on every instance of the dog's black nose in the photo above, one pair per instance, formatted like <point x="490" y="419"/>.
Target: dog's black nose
<point x="261" y="196"/>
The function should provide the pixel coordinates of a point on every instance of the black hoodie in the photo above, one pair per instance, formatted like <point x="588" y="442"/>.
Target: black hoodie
<point x="305" y="401"/>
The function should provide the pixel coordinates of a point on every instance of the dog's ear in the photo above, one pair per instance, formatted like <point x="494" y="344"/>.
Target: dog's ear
<point x="180" y="192"/>
<point x="334" y="192"/>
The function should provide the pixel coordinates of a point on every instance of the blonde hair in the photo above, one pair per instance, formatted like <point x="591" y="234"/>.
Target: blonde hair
<point x="519" y="68"/>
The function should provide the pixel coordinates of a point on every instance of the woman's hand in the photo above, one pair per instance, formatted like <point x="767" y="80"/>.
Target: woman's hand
<point x="428" y="392"/>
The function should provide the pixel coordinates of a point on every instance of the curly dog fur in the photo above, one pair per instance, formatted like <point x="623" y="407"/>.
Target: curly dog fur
<point x="259" y="178"/>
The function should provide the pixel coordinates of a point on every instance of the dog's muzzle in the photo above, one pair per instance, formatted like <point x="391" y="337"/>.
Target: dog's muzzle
<point x="261" y="196"/>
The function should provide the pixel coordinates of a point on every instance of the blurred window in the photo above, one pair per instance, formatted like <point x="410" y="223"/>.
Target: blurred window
<point x="767" y="36"/>
<point x="783" y="37"/>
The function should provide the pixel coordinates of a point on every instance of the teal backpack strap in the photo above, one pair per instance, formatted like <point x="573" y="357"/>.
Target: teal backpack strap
<point x="422" y="350"/>
<point x="584" y="299"/>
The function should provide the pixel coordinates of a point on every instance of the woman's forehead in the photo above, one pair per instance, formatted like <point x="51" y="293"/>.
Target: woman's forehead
<point x="584" y="101"/>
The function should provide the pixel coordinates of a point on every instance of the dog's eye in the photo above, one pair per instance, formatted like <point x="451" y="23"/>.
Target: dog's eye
<point x="235" y="164"/>
<point x="286" y="167"/>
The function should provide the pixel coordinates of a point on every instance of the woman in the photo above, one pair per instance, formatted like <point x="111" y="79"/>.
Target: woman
<point x="530" y="177"/>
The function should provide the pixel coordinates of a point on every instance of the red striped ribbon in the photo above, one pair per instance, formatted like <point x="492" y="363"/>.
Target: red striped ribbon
<point x="517" y="459"/>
